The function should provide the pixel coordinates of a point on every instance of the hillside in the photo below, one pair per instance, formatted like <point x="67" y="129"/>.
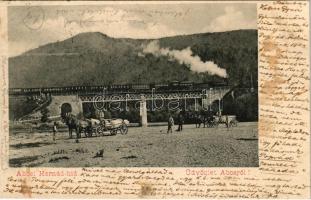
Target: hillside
<point x="95" y="59"/>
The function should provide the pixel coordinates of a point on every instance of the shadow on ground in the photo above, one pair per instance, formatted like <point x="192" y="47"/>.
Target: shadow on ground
<point x="29" y="145"/>
<point x="18" y="162"/>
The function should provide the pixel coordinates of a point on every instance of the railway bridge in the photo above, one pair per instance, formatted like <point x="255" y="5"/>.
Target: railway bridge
<point x="56" y="99"/>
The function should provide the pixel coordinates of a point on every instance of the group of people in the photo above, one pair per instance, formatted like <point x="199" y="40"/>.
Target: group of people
<point x="180" y="122"/>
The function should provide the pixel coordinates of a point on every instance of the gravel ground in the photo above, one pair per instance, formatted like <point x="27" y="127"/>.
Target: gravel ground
<point x="141" y="147"/>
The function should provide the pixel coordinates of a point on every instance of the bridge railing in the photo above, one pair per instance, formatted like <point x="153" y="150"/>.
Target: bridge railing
<point x="110" y="97"/>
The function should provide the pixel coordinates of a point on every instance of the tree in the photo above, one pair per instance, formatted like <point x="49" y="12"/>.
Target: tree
<point x="246" y="107"/>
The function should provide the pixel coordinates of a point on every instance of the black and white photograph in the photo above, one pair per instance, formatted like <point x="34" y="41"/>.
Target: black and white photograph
<point x="133" y="85"/>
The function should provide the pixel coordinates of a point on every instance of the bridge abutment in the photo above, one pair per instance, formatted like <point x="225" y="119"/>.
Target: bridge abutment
<point x="57" y="102"/>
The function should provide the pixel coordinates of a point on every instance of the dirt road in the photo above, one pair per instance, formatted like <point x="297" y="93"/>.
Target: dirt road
<point x="141" y="147"/>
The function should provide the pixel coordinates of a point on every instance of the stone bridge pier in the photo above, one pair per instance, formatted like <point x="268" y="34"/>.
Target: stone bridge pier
<point x="143" y="112"/>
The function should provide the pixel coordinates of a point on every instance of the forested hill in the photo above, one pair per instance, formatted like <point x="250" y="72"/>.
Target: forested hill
<point x="94" y="58"/>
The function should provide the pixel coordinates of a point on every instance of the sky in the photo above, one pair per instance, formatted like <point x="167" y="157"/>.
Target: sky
<point x="31" y="27"/>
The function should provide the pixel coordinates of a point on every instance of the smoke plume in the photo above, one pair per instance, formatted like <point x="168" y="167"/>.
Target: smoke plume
<point x="185" y="56"/>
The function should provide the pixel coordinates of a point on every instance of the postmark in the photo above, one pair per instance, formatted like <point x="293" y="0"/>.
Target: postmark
<point x="34" y="18"/>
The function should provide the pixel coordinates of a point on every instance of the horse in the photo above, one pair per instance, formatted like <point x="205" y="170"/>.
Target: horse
<point x="199" y="119"/>
<point x="205" y="118"/>
<point x="73" y="124"/>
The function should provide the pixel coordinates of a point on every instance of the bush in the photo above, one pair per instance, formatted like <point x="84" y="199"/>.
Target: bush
<point x="20" y="107"/>
<point x="246" y="107"/>
<point x="44" y="126"/>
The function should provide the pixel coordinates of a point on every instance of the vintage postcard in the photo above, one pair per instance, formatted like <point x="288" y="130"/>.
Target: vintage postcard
<point x="143" y="99"/>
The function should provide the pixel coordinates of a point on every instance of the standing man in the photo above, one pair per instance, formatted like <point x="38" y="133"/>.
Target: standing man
<point x="227" y="121"/>
<point x="170" y="124"/>
<point x="180" y="121"/>
<point x="54" y="130"/>
<point x="198" y="120"/>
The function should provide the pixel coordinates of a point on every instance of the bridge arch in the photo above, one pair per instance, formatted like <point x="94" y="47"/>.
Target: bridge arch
<point x="65" y="108"/>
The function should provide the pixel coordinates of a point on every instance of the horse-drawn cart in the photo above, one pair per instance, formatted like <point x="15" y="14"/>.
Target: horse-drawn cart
<point x="229" y="120"/>
<point x="97" y="127"/>
<point x="212" y="121"/>
<point x="113" y="126"/>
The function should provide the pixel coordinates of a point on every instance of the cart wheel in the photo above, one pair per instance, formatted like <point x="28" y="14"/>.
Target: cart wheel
<point x="98" y="131"/>
<point x="123" y="129"/>
<point x="113" y="132"/>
